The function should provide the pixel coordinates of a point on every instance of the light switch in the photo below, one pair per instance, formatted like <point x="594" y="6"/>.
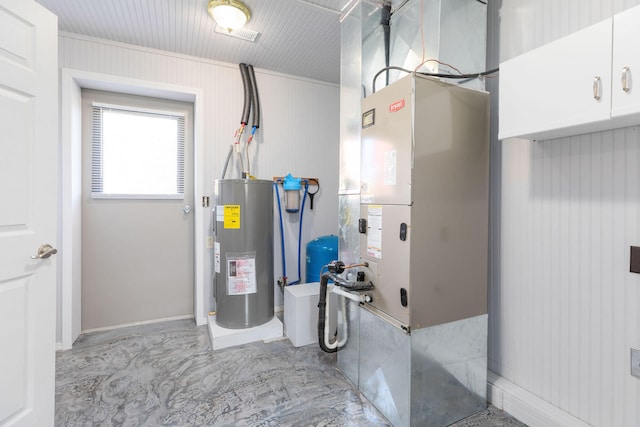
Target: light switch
<point x="635" y="362"/>
<point x="634" y="264"/>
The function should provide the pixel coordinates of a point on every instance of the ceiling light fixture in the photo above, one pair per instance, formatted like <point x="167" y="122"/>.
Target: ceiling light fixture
<point x="229" y="14"/>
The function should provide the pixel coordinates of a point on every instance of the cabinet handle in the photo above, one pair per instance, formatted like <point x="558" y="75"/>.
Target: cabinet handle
<point x="596" y="88"/>
<point x="626" y="79"/>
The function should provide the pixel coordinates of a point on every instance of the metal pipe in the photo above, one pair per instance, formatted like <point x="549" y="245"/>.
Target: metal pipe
<point x="385" y="23"/>
<point x="226" y="163"/>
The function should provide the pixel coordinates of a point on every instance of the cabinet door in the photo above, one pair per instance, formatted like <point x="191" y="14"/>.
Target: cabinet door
<point x="549" y="91"/>
<point x="388" y="257"/>
<point x="626" y="64"/>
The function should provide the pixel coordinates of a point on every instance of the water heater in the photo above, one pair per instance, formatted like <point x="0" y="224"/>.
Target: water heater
<point x="243" y="252"/>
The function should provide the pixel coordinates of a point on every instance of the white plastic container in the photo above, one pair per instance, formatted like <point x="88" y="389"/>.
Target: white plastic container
<point x="301" y="313"/>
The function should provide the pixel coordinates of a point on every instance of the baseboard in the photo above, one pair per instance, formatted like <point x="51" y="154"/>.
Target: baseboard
<point x="144" y="322"/>
<point x="525" y="406"/>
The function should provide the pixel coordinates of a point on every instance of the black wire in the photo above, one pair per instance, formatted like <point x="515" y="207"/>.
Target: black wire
<point x="393" y="67"/>
<point x="461" y="76"/>
<point x="483" y="2"/>
<point x="443" y="75"/>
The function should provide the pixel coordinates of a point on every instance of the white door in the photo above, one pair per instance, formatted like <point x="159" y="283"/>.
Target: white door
<point x="137" y="247"/>
<point x="28" y="211"/>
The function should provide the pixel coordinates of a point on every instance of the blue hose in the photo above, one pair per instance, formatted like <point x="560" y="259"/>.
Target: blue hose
<point x="304" y="198"/>
<point x="284" y="261"/>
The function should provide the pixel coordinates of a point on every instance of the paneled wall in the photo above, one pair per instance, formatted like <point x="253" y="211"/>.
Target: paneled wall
<point x="299" y="131"/>
<point x="527" y="24"/>
<point x="564" y="308"/>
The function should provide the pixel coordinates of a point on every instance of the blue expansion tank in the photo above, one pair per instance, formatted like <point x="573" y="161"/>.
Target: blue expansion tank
<point x="320" y="252"/>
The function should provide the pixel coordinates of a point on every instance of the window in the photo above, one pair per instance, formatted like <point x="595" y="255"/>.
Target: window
<point x="136" y="153"/>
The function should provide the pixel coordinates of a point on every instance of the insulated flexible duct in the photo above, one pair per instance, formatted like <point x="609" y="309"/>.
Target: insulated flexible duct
<point x="322" y="306"/>
<point x="255" y="100"/>
<point x="328" y="344"/>
<point x="246" y="110"/>
<point x="246" y="84"/>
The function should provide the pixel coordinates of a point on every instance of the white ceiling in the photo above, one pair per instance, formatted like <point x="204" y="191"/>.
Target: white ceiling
<point x="299" y="37"/>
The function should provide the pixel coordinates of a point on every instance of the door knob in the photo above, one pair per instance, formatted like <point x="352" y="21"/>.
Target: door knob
<point x="45" y="251"/>
<point x="186" y="209"/>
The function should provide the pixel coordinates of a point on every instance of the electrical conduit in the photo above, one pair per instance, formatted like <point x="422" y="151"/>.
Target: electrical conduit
<point x="255" y="102"/>
<point x="244" y="119"/>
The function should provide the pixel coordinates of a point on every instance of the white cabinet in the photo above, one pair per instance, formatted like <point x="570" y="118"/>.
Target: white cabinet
<point x="577" y="84"/>
<point x="551" y="89"/>
<point x="626" y="62"/>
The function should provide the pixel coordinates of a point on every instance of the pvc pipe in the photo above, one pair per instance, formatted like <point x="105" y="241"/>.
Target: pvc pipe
<point x="323" y="319"/>
<point x="352" y="296"/>
<point x="337" y="344"/>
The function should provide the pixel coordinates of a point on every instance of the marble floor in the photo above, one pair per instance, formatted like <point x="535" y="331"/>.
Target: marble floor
<point x="165" y="374"/>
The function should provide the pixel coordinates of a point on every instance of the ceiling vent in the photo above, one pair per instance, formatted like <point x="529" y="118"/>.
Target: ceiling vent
<point x="242" y="33"/>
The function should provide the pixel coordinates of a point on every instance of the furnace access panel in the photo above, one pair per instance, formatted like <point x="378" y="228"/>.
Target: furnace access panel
<point x="424" y="201"/>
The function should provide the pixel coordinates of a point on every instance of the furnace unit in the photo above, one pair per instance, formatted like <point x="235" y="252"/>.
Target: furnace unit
<point x="422" y="340"/>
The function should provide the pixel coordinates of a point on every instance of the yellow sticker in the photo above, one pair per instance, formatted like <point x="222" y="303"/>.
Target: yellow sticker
<point x="231" y="216"/>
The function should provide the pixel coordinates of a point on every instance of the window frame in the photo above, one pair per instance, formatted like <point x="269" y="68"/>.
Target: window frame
<point x="97" y="144"/>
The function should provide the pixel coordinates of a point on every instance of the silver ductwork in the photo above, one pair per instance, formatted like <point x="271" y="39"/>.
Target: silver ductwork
<point x="419" y="369"/>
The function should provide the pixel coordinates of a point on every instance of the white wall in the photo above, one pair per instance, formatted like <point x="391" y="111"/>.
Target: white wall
<point x="299" y="129"/>
<point x="564" y="309"/>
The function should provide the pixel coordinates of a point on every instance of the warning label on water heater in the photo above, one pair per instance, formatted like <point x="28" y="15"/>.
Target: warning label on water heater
<point x="241" y="275"/>
<point x="231" y="216"/>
